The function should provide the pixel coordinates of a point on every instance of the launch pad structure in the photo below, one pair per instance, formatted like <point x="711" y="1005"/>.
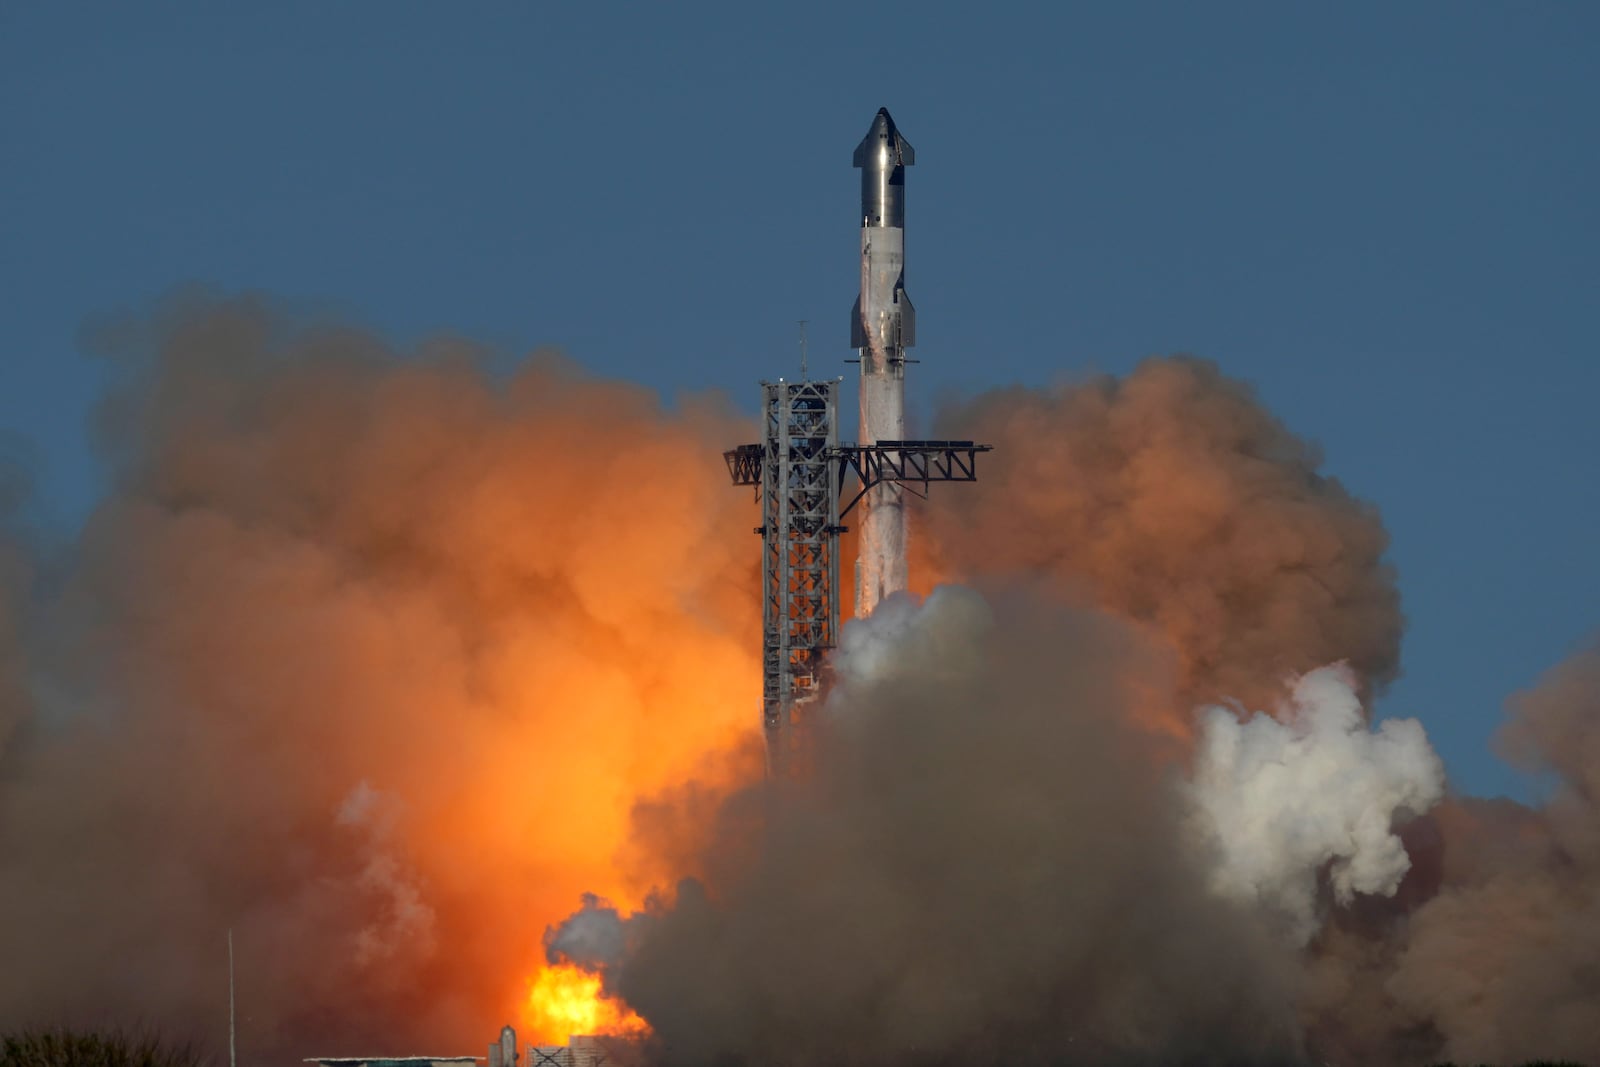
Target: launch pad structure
<point x="800" y="469"/>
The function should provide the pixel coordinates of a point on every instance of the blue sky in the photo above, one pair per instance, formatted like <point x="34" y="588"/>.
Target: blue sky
<point x="1384" y="216"/>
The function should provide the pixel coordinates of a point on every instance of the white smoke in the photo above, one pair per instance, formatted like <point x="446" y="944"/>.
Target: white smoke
<point x="1282" y="799"/>
<point x="905" y="637"/>
<point x="403" y="918"/>
<point x="593" y="937"/>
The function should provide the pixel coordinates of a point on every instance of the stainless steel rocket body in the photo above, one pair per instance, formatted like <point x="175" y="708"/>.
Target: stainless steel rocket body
<point x="883" y="326"/>
<point x="884" y="318"/>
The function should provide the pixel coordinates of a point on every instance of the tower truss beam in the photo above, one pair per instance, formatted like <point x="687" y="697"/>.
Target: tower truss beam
<point x="907" y="462"/>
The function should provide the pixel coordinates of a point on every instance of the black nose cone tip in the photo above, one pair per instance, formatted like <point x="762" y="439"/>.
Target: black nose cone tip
<point x="884" y="131"/>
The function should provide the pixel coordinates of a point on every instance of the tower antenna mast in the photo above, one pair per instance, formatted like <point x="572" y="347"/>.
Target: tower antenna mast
<point x="233" y="1059"/>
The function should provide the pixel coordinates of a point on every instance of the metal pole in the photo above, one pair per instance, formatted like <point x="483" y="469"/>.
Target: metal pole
<point x="233" y="1059"/>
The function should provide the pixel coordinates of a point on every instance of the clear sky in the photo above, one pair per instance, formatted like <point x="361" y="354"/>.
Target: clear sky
<point x="1382" y="215"/>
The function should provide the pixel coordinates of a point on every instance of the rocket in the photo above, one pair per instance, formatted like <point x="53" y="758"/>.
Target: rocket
<point x="503" y="1051"/>
<point x="882" y="327"/>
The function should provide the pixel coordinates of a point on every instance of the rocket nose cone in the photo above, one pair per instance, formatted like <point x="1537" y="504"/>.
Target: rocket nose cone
<point x="884" y="135"/>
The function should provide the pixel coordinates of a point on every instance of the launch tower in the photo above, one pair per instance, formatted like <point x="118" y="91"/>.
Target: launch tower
<point x="793" y="470"/>
<point x="800" y="470"/>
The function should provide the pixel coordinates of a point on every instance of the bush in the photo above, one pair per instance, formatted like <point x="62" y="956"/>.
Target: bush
<point x="71" y="1048"/>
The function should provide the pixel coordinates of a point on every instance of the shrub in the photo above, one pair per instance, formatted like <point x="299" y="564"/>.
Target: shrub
<point x="72" y="1048"/>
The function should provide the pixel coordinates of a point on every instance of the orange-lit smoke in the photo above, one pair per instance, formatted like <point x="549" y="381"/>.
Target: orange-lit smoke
<point x="368" y="656"/>
<point x="383" y="661"/>
<point x="1173" y="498"/>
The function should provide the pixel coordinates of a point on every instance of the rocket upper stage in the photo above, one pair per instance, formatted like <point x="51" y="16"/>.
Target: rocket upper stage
<point x="883" y="155"/>
<point x="883" y="319"/>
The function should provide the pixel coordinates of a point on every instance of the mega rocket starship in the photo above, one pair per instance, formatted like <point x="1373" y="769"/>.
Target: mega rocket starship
<point x="882" y="327"/>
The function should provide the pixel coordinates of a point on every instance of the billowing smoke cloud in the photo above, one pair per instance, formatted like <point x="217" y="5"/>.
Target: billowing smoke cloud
<point x="1308" y="795"/>
<point x="1502" y="963"/>
<point x="1173" y="498"/>
<point x="984" y="868"/>
<point x="367" y="656"/>
<point x="376" y="657"/>
<point x="1486" y="954"/>
<point x="594" y="937"/>
<point x="1555" y="729"/>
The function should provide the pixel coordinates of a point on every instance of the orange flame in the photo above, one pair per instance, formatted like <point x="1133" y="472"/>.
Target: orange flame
<point x="565" y="1000"/>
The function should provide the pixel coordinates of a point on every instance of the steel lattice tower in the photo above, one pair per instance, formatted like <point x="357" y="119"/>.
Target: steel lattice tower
<point x="799" y="548"/>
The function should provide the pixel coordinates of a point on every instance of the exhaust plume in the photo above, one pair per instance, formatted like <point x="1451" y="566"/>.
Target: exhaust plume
<point x="383" y="660"/>
<point x="1310" y="794"/>
<point x="594" y="937"/>
<point x="368" y="656"/>
<point x="1172" y="498"/>
<point x="985" y="868"/>
<point x="1502" y="961"/>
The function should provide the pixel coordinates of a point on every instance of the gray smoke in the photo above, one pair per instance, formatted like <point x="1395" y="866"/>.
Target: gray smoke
<point x="594" y="937"/>
<point x="1486" y="954"/>
<point x="1173" y="500"/>
<point x="1503" y="961"/>
<point x="984" y="868"/>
